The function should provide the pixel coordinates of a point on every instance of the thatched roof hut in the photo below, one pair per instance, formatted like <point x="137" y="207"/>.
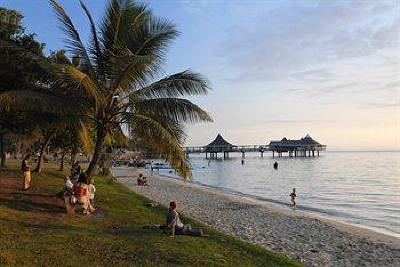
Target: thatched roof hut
<point x="305" y="143"/>
<point x="218" y="145"/>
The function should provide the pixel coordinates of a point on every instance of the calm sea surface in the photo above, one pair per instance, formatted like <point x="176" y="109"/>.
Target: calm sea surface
<point x="360" y="188"/>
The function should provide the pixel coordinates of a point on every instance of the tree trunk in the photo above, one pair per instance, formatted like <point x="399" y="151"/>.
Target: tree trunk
<point x="73" y="155"/>
<point x="2" y="152"/>
<point x="43" y="148"/>
<point x="98" y="151"/>
<point x="62" y="160"/>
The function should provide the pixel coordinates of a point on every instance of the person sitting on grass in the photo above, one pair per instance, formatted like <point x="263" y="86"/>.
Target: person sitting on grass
<point x="67" y="193"/>
<point x="175" y="225"/>
<point x="81" y="192"/>
<point x="66" y="189"/>
<point x="92" y="191"/>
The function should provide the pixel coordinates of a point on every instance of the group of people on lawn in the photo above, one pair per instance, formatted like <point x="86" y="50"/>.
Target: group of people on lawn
<point x="78" y="191"/>
<point x="78" y="194"/>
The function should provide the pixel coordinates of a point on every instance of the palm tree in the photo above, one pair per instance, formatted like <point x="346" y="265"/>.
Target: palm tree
<point x="116" y="80"/>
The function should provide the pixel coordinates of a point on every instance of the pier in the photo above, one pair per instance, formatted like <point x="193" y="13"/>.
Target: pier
<point x="305" y="147"/>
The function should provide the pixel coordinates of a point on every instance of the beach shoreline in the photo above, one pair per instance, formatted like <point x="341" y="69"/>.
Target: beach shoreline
<point x="315" y="240"/>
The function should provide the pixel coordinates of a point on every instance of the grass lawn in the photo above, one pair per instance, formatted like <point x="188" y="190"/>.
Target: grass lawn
<point x="34" y="230"/>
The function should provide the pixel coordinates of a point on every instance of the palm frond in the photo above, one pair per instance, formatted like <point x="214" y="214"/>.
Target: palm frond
<point x="130" y="71"/>
<point x="94" y="48"/>
<point x="177" y="85"/>
<point x="73" y="41"/>
<point x="177" y="109"/>
<point x="142" y="43"/>
<point x="161" y="141"/>
<point x="82" y="81"/>
<point x="110" y="26"/>
<point x="150" y="36"/>
<point x="37" y="101"/>
<point x="133" y="15"/>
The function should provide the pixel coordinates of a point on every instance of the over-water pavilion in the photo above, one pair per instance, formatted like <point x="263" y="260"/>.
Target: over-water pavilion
<point x="297" y="148"/>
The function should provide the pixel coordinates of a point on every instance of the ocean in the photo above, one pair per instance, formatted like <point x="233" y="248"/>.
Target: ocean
<point x="360" y="188"/>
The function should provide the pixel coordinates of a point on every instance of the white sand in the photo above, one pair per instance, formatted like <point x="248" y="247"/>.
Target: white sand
<point x="315" y="241"/>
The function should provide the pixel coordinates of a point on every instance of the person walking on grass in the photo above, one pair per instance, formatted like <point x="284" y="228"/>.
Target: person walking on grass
<point x="26" y="169"/>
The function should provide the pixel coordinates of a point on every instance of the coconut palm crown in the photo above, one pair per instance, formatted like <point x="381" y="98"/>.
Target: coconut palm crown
<point x="116" y="80"/>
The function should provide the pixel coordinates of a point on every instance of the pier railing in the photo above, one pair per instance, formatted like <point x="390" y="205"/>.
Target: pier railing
<point x="214" y="149"/>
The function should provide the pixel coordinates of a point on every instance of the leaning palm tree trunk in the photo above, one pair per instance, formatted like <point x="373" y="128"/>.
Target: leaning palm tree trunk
<point x="98" y="151"/>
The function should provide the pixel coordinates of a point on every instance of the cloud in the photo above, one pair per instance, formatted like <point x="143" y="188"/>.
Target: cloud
<point x="379" y="105"/>
<point x="289" y="39"/>
<point x="299" y="121"/>
<point x="195" y="7"/>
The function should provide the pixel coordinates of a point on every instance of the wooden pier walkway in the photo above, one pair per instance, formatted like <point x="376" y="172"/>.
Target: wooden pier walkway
<point x="294" y="148"/>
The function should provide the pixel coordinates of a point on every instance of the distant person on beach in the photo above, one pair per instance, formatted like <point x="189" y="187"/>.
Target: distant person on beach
<point x="276" y="165"/>
<point x="175" y="225"/>
<point x="141" y="180"/>
<point x="293" y="197"/>
<point x="242" y="161"/>
<point x="26" y="169"/>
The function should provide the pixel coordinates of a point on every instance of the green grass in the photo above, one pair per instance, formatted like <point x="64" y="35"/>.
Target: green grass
<point x="34" y="230"/>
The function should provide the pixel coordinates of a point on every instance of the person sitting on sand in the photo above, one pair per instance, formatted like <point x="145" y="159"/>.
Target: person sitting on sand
<point x="140" y="179"/>
<point x="175" y="225"/>
<point x="293" y="197"/>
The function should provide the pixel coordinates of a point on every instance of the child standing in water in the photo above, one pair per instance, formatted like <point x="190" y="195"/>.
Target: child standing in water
<point x="293" y="197"/>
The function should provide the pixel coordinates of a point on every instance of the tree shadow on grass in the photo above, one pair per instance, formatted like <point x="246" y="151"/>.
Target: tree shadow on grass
<point x="27" y="194"/>
<point x="26" y="205"/>
<point x="42" y="225"/>
<point x="118" y="230"/>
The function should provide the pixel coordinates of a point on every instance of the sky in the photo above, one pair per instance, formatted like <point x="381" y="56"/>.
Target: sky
<point x="277" y="69"/>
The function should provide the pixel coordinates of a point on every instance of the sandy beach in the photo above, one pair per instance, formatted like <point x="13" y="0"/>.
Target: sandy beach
<point x="312" y="240"/>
